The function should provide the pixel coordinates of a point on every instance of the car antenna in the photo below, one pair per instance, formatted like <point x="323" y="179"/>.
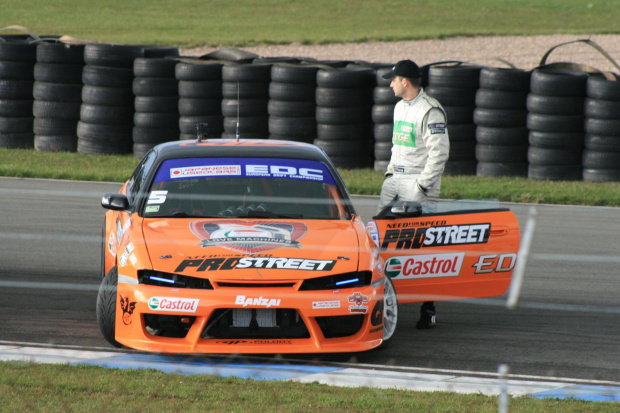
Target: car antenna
<point x="238" y="104"/>
<point x="200" y="131"/>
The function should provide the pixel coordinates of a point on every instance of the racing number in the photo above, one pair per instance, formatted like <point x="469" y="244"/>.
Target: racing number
<point x="495" y="263"/>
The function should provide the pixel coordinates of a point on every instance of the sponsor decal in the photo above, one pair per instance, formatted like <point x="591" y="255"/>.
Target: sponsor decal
<point x="257" y="301"/>
<point x="205" y="171"/>
<point x="185" y="305"/>
<point x="373" y="231"/>
<point x="112" y="244"/>
<point x="436" y="128"/>
<point x="321" y="305"/>
<point x="376" y="318"/>
<point x="123" y="258"/>
<point x="253" y="237"/>
<point x="151" y="209"/>
<point x="297" y="169"/>
<point x="495" y="263"/>
<point x="127" y="308"/>
<point x="436" y="236"/>
<point x="259" y="342"/>
<point x="425" y="266"/>
<point x="278" y="263"/>
<point x="360" y="303"/>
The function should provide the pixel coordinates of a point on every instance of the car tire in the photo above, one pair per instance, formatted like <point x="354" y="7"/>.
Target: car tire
<point x="390" y="312"/>
<point x="106" y="306"/>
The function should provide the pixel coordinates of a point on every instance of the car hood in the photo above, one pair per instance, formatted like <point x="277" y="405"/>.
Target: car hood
<point x="252" y="248"/>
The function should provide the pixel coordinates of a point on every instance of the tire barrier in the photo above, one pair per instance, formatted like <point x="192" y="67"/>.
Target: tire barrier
<point x="17" y="61"/>
<point x="500" y="117"/>
<point x="455" y="86"/>
<point x="58" y="95"/>
<point x="601" y="156"/>
<point x="292" y="102"/>
<point x="200" y="97"/>
<point x="555" y="122"/>
<point x="156" y="103"/>
<point x="245" y="92"/>
<point x="344" y="97"/>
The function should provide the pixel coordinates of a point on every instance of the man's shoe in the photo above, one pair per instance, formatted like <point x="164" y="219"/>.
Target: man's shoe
<point x="427" y="319"/>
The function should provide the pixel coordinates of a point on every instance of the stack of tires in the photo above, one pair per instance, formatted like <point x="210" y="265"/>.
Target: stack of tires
<point x="292" y="104"/>
<point x="245" y="92"/>
<point x="501" y="118"/>
<point x="344" y="98"/>
<point x="556" y="124"/>
<point x="384" y="101"/>
<point x="156" y="91"/>
<point x="106" y="114"/>
<point x="601" y="156"/>
<point x="200" y="97"/>
<point x="455" y="87"/>
<point x="17" y="60"/>
<point x="58" y="96"/>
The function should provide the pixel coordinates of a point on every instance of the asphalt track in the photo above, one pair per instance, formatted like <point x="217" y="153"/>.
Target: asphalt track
<point x="566" y="323"/>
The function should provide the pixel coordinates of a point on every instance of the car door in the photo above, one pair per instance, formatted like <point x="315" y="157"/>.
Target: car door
<point x="459" y="252"/>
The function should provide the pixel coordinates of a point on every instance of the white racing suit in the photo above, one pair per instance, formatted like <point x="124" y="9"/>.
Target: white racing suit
<point x="420" y="149"/>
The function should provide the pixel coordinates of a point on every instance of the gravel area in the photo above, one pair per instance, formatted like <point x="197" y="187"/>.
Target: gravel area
<point x="524" y="52"/>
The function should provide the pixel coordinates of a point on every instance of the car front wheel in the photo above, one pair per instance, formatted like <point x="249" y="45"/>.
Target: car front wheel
<point x="106" y="306"/>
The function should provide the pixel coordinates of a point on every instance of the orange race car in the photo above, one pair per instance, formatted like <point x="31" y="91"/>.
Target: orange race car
<point x="254" y="246"/>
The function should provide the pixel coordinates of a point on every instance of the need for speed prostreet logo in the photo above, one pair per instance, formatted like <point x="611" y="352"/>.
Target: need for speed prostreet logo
<point x="436" y="236"/>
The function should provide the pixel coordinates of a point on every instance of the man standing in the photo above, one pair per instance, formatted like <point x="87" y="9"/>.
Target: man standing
<point x="420" y="149"/>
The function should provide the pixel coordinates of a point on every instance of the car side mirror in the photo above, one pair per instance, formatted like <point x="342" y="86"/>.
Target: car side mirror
<point x="406" y="209"/>
<point x="115" y="202"/>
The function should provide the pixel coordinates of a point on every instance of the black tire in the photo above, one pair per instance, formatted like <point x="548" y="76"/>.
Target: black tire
<point x="244" y="107"/>
<point x="94" y="147"/>
<point x="104" y="132"/>
<point x="57" y="92"/>
<point x="452" y="96"/>
<point x="501" y="136"/>
<point x="159" y="104"/>
<point x="156" y="120"/>
<point x="383" y="132"/>
<point x="245" y="90"/>
<point x="112" y="55"/>
<point x="59" y="110"/>
<point x="288" y="73"/>
<point x="553" y="156"/>
<point x="608" y="127"/>
<point x="459" y="114"/>
<point x="246" y="73"/>
<point x="499" y="169"/>
<point x="352" y="162"/>
<point x="256" y="125"/>
<point x="17" y="140"/>
<point x="602" y="143"/>
<point x="515" y="80"/>
<point x="554" y="105"/>
<point x="555" y="172"/>
<point x="155" y="86"/>
<point x="462" y="151"/>
<point x="107" y="76"/>
<point x="384" y="96"/>
<point x="558" y="83"/>
<point x="142" y="135"/>
<point x="601" y="175"/>
<point x="601" y="159"/>
<point x="16" y="70"/>
<point x="500" y="118"/>
<point x="345" y="148"/>
<point x="356" y="131"/>
<point x="58" y="73"/>
<point x="45" y="126"/>
<point x="16" y="89"/>
<point x="503" y="154"/>
<point x="199" y="71"/>
<point x="12" y="125"/>
<point x="556" y="140"/>
<point x="291" y="109"/>
<point x="200" y="89"/>
<point x="117" y="115"/>
<point x="456" y="168"/>
<point x="341" y="97"/>
<point x="465" y="132"/>
<point x="599" y="87"/>
<point x="215" y="124"/>
<point x="18" y="51"/>
<point x="16" y="108"/>
<point x="107" y="96"/>
<point x="454" y="76"/>
<point x="345" y="78"/>
<point x="231" y="54"/>
<point x="389" y="308"/>
<point x="382" y="114"/>
<point x="199" y="107"/>
<point x="383" y="151"/>
<point x="555" y="123"/>
<point x="292" y="91"/>
<point x="62" y="53"/>
<point x="500" y="99"/>
<point x="297" y="129"/>
<point x="61" y="143"/>
<point x="106" y="306"/>
<point x="154" y="67"/>
<point x="601" y="109"/>
<point x="340" y="116"/>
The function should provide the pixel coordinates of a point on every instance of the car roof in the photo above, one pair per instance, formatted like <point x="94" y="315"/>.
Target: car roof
<point x="242" y="148"/>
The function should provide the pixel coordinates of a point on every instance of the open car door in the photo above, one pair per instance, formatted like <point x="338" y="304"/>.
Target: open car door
<point x="467" y="249"/>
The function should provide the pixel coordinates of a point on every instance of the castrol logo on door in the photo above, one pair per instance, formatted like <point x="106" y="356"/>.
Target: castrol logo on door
<point x="424" y="266"/>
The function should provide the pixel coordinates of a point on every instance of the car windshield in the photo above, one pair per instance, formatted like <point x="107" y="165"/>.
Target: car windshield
<point x="245" y="188"/>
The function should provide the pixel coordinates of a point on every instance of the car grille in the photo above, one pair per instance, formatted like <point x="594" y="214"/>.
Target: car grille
<point x="263" y="324"/>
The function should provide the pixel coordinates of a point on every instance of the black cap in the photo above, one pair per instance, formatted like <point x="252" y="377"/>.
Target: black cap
<point x="404" y="68"/>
